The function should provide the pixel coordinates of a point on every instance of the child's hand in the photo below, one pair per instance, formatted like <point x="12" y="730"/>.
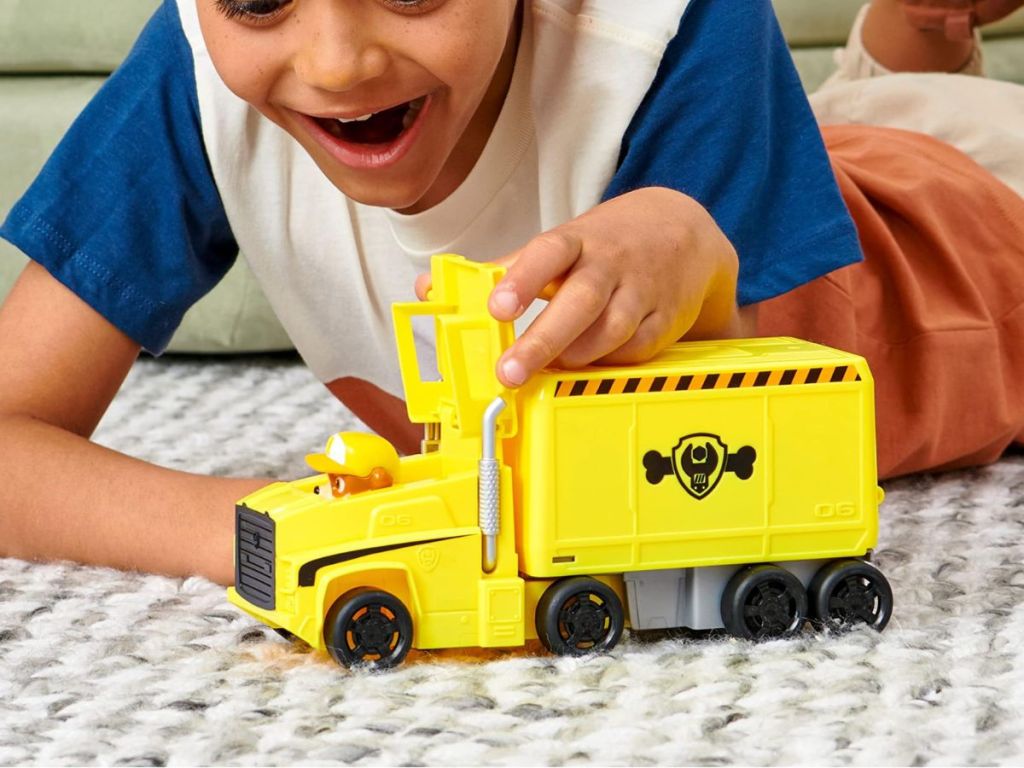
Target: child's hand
<point x="630" y="277"/>
<point x="625" y="280"/>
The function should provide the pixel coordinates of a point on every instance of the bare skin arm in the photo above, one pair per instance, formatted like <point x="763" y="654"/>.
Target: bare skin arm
<point x="63" y="497"/>
<point x="899" y="47"/>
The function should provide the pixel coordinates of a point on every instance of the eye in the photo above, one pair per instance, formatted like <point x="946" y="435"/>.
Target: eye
<point x="256" y="12"/>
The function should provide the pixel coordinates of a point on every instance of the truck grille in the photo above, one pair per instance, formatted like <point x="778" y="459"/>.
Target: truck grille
<point x="254" y="557"/>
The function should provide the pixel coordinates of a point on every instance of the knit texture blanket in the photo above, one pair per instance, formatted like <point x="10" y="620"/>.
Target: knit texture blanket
<point x="110" y="668"/>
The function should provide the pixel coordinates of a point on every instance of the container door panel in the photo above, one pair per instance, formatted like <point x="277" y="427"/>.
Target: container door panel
<point x="592" y="472"/>
<point x="819" y="453"/>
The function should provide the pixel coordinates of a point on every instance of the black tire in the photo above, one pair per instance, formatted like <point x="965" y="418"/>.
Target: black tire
<point x="845" y="593"/>
<point x="579" y="615"/>
<point x="764" y="602"/>
<point x="368" y="628"/>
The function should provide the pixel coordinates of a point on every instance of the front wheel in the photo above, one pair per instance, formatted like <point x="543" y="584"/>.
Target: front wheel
<point x="368" y="628"/>
<point x="579" y="615"/>
<point x="845" y="593"/>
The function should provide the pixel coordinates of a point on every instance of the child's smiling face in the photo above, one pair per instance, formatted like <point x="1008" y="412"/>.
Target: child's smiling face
<point x="393" y="99"/>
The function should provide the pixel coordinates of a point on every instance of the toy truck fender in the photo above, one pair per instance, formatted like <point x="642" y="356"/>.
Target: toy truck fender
<point x="430" y="575"/>
<point x="337" y="580"/>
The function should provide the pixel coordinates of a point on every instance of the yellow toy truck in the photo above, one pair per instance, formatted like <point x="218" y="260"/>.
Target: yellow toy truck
<point x="722" y="484"/>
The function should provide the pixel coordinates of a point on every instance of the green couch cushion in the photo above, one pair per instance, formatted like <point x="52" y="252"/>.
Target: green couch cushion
<point x="69" y="36"/>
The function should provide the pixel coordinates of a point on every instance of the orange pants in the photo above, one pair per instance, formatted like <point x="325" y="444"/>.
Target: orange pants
<point x="936" y="307"/>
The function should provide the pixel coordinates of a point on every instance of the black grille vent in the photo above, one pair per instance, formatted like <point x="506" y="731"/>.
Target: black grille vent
<point x="254" y="557"/>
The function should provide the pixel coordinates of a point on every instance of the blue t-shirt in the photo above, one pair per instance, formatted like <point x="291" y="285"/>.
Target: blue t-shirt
<point x="127" y="215"/>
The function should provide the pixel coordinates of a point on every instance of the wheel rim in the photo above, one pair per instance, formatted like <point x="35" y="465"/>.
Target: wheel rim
<point x="373" y="634"/>
<point x="584" y="621"/>
<point x="856" y="598"/>
<point x="771" y="610"/>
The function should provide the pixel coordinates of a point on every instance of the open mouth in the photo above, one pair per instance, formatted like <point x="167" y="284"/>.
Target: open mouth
<point x="377" y="128"/>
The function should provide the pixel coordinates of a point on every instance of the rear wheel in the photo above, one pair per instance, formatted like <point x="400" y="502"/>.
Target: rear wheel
<point x="368" y="628"/>
<point x="763" y="602"/>
<point x="845" y="593"/>
<point x="579" y="615"/>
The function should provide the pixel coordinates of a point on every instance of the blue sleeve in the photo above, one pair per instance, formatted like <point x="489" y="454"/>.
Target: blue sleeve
<point x="125" y="212"/>
<point x="726" y="122"/>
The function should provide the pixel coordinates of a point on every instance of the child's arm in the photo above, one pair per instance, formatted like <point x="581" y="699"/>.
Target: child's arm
<point x="63" y="497"/>
<point x="126" y="230"/>
<point x="632" y="276"/>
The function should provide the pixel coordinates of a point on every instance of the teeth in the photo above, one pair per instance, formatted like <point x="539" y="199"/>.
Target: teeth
<point x="414" y="109"/>
<point x="334" y="125"/>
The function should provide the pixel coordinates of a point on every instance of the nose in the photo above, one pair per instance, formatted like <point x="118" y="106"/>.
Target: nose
<point x="339" y="51"/>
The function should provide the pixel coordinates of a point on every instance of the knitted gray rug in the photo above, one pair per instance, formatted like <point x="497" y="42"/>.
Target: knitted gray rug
<point x="99" y="667"/>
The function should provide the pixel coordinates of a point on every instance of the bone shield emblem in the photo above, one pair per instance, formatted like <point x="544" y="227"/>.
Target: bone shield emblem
<point x="699" y="461"/>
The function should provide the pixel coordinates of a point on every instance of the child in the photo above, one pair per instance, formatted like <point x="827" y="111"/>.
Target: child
<point x="670" y="162"/>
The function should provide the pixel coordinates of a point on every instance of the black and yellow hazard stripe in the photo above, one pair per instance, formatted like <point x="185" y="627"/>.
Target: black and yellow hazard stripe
<point x="783" y="377"/>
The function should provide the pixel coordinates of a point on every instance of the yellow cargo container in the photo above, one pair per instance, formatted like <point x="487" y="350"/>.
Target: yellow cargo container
<point x="712" y="454"/>
<point x="722" y="484"/>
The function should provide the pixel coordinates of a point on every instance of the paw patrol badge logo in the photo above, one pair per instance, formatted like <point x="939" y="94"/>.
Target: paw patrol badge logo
<point x="428" y="558"/>
<point x="698" y="462"/>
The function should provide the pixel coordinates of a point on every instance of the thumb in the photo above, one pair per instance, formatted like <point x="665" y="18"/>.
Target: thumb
<point x="423" y="286"/>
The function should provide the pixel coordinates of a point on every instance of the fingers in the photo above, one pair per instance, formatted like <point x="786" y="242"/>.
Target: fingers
<point x="623" y="335"/>
<point x="652" y="335"/>
<point x="614" y="328"/>
<point x="577" y="305"/>
<point x="542" y="261"/>
<point x="532" y="272"/>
